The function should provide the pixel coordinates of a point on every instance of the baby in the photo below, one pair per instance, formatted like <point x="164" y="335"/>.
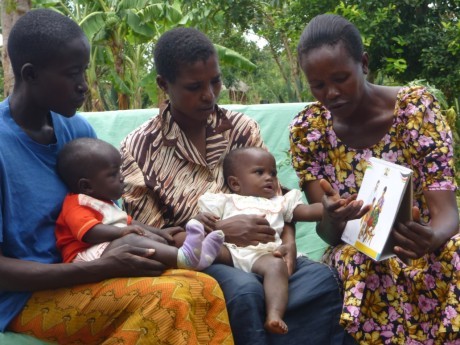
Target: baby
<point x="91" y="224"/>
<point x="251" y="175"/>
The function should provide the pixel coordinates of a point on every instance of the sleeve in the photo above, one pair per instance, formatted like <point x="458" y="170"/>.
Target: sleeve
<point x="1" y="215"/>
<point x="213" y="203"/>
<point x="80" y="219"/>
<point x="137" y="197"/>
<point x="307" y="133"/>
<point x="291" y="200"/>
<point x="429" y="140"/>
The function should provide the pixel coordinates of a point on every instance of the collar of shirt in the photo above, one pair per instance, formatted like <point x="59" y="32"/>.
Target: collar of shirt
<point x="216" y="141"/>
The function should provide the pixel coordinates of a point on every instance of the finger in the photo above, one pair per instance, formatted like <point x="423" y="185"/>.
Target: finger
<point x="266" y="231"/>
<point x="209" y="224"/>
<point x="148" y="252"/>
<point x="280" y="252"/>
<point x="175" y="230"/>
<point x="404" y="255"/>
<point x="207" y="229"/>
<point x="290" y="267"/>
<point x="265" y="238"/>
<point x="414" y="231"/>
<point x="157" y="238"/>
<point x="351" y="211"/>
<point x="416" y="214"/>
<point x="261" y="219"/>
<point x="359" y="211"/>
<point x="327" y="188"/>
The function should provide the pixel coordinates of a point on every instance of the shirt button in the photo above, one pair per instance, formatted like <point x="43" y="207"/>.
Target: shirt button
<point x="210" y="178"/>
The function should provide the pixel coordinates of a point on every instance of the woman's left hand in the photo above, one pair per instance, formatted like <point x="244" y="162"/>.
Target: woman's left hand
<point x="287" y="252"/>
<point x="413" y="239"/>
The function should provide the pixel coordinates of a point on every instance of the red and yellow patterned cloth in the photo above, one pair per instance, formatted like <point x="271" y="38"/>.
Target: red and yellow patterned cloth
<point x="180" y="307"/>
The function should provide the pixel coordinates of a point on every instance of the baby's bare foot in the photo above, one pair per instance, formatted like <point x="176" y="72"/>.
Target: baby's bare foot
<point x="276" y="326"/>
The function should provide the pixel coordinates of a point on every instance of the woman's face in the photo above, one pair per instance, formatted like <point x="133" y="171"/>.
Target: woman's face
<point x="194" y="93"/>
<point x="335" y="78"/>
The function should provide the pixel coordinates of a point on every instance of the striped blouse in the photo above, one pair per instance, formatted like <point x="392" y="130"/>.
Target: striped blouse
<point x="164" y="172"/>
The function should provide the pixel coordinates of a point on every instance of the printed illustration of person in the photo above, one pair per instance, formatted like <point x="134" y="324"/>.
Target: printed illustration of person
<point x="374" y="218"/>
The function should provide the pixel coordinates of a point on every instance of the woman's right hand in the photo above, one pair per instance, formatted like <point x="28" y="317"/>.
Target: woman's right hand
<point x="244" y="230"/>
<point x="129" y="261"/>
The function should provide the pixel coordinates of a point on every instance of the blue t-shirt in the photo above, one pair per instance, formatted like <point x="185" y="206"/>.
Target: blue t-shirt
<point x="31" y="195"/>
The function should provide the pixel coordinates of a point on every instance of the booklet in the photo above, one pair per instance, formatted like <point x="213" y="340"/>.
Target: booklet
<point x="387" y="187"/>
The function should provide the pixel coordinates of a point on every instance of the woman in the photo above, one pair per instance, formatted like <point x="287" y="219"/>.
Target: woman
<point x="414" y="297"/>
<point x="177" y="156"/>
<point x="87" y="302"/>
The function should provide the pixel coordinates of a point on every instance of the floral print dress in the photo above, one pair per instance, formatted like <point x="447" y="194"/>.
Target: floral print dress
<point x="388" y="302"/>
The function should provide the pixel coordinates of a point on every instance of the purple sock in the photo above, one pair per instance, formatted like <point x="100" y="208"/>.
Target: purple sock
<point x="188" y="256"/>
<point x="210" y="248"/>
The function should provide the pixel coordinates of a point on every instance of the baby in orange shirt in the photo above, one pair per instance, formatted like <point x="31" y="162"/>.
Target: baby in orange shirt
<point x="91" y="224"/>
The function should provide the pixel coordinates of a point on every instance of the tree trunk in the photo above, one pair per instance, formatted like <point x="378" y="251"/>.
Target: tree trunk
<point x="11" y="11"/>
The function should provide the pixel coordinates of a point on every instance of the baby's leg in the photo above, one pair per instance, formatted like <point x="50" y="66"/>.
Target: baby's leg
<point x="275" y="273"/>
<point x="224" y="256"/>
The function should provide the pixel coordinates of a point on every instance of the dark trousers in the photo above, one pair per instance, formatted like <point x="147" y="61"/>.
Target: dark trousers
<point x="312" y="314"/>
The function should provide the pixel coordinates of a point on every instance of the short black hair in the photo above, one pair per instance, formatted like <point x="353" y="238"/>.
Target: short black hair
<point x="81" y="158"/>
<point x="330" y="29"/>
<point x="180" y="45"/>
<point x="229" y="165"/>
<point x="37" y="36"/>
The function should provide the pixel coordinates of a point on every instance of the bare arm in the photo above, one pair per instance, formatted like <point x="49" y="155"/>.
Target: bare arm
<point x="125" y="261"/>
<point x="105" y="233"/>
<point x="308" y="213"/>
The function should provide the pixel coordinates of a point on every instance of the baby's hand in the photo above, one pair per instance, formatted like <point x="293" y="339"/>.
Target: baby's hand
<point x="208" y="220"/>
<point x="133" y="229"/>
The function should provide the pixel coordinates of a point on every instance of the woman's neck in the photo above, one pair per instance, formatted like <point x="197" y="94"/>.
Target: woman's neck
<point x="371" y="120"/>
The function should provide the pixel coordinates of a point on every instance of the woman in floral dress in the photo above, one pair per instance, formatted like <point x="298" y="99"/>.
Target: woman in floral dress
<point x="412" y="298"/>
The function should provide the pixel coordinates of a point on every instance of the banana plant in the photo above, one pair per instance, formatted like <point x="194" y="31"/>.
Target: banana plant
<point x="122" y="34"/>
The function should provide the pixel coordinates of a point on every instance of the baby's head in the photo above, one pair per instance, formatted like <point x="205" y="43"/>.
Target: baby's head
<point x="251" y="171"/>
<point x="91" y="166"/>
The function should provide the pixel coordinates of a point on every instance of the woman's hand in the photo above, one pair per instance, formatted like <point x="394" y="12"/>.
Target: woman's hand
<point x="245" y="230"/>
<point x="129" y="261"/>
<point x="413" y="239"/>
